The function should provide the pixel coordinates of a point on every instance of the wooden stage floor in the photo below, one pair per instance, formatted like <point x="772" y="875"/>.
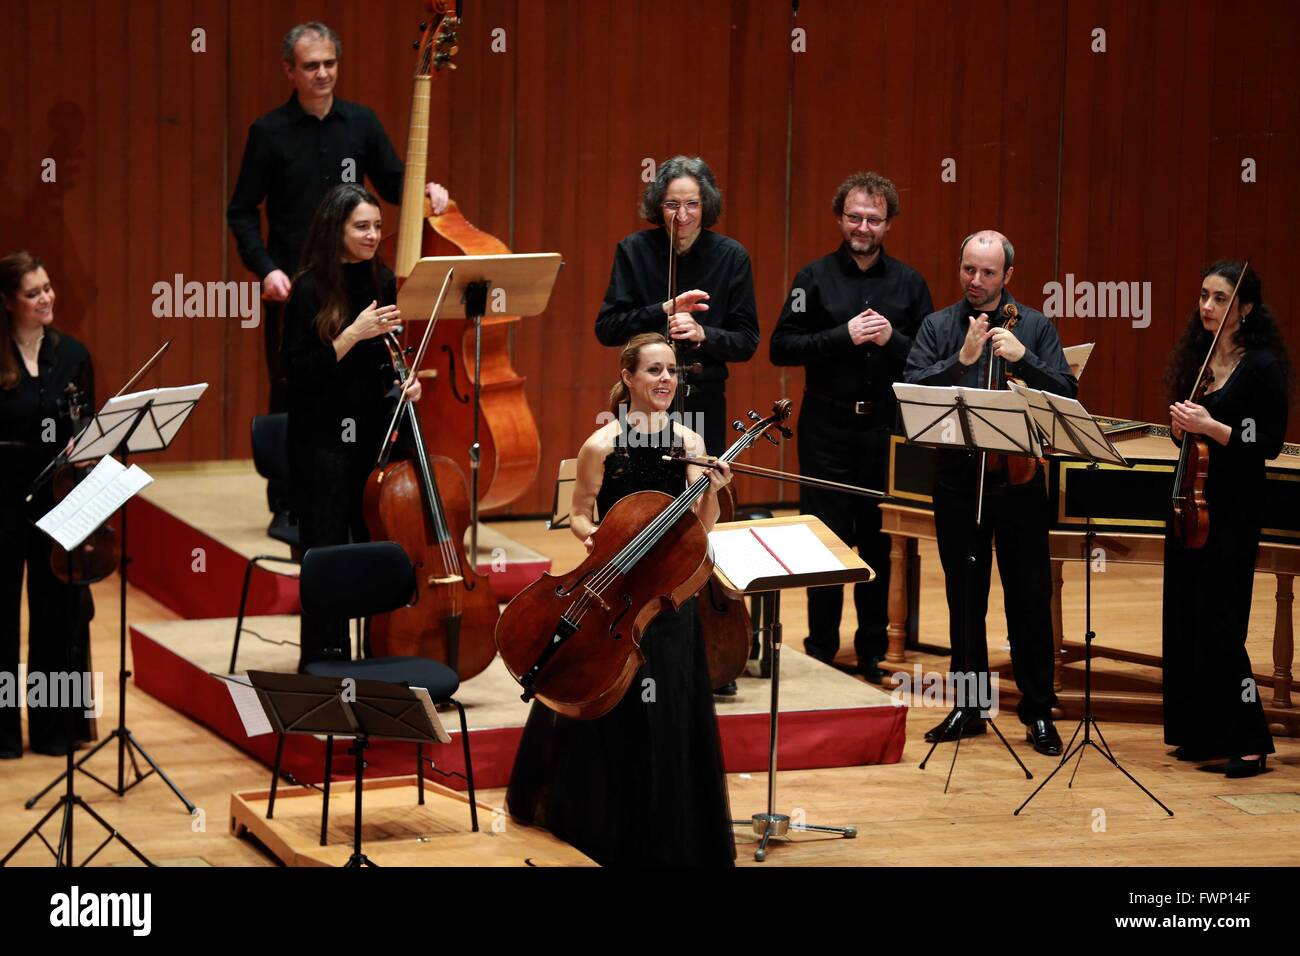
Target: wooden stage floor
<point x="902" y="813"/>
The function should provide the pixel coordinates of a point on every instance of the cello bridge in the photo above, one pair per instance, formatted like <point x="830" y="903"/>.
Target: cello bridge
<point x="599" y="600"/>
<point x="449" y="579"/>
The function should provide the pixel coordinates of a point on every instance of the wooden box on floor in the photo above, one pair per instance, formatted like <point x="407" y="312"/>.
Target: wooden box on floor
<point x="396" y="829"/>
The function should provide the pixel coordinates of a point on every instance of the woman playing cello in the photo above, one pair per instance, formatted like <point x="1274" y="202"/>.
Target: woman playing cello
<point x="644" y="784"/>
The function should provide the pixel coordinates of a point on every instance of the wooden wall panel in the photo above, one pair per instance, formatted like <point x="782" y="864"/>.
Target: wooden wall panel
<point x="1122" y="166"/>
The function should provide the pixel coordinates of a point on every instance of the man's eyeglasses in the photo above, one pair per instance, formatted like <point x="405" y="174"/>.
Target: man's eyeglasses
<point x="875" y="222"/>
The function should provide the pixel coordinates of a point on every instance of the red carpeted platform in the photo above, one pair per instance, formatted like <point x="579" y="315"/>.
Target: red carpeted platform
<point x="827" y="718"/>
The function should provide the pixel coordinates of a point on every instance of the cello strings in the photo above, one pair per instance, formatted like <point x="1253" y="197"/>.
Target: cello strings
<point x="648" y="537"/>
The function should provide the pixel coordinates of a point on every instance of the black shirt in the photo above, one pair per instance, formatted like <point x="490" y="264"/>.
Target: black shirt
<point x="813" y="328"/>
<point x="292" y="160"/>
<point x="716" y="264"/>
<point x="935" y="360"/>
<point x="324" y="391"/>
<point x="1253" y="403"/>
<point x="26" y="442"/>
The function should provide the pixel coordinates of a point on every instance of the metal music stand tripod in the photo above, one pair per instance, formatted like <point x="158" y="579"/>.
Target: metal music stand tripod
<point x="139" y="422"/>
<point x="70" y="800"/>
<point x="977" y="420"/>
<point x="479" y="292"/>
<point x="768" y="590"/>
<point x="1071" y="432"/>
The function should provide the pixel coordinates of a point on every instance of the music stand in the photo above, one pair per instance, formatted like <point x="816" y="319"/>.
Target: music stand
<point x="364" y="710"/>
<point x="974" y="419"/>
<point x="137" y="422"/>
<point x="836" y="563"/>
<point x="562" y="499"/>
<point x="59" y="524"/>
<point x="523" y="280"/>
<point x="1071" y="432"/>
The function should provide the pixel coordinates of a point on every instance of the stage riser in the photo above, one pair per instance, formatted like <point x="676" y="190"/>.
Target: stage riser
<point x="808" y="739"/>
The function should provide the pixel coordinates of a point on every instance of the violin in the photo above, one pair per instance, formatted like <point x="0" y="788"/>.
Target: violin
<point x="1191" y="512"/>
<point x="423" y="505"/>
<point x="1014" y="469"/>
<point x="95" y="558"/>
<point x="573" y="641"/>
<point x="509" y="448"/>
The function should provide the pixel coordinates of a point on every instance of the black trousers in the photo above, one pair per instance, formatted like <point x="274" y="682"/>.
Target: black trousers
<point x="837" y="444"/>
<point x="1016" y="517"/>
<point x="329" y="486"/>
<point x="58" y="636"/>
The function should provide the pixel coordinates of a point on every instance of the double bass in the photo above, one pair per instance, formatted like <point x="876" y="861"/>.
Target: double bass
<point x="510" y="449"/>
<point x="573" y="641"/>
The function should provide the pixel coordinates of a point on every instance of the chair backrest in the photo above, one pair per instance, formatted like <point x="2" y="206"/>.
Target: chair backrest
<point x="271" y="446"/>
<point x="355" y="580"/>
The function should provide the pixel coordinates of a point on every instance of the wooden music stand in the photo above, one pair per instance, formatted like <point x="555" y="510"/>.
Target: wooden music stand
<point x="768" y="588"/>
<point x="520" y="283"/>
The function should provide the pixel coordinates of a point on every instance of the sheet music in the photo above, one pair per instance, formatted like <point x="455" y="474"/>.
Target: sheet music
<point x="1076" y="356"/>
<point x="422" y="695"/>
<point x="248" y="705"/>
<point x="747" y="554"/>
<point x="999" y="418"/>
<point x="103" y="491"/>
<point x="1047" y="409"/>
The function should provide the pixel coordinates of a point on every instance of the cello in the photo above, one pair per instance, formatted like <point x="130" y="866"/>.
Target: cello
<point x="573" y="641"/>
<point x="509" y="447"/>
<point x="1190" y="523"/>
<point x="422" y="505"/>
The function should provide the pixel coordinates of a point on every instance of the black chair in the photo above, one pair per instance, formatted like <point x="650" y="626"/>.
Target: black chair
<point x="271" y="459"/>
<point x="356" y="581"/>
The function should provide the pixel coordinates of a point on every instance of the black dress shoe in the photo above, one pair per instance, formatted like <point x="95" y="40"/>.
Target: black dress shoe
<point x="1042" y="734"/>
<point x="960" y="722"/>
<point x="870" y="669"/>
<point x="728" y="689"/>
<point x="1238" y="767"/>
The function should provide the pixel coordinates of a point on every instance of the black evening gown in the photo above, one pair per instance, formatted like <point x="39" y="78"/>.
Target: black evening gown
<point x="1211" y="702"/>
<point x="643" y="785"/>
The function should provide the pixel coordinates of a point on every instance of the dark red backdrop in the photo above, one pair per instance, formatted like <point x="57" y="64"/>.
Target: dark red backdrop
<point x="1116" y="166"/>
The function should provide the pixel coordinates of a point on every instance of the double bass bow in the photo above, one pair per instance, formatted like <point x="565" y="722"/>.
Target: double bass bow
<point x="1191" y="512"/>
<point x="573" y="640"/>
<point x="421" y="504"/>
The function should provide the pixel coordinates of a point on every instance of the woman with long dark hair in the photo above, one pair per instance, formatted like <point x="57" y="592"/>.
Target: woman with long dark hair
<point x="37" y="365"/>
<point x="340" y="379"/>
<point x="644" y="784"/>
<point x="1211" y="703"/>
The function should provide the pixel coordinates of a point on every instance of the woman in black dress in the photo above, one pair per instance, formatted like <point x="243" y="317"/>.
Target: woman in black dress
<point x="37" y="364"/>
<point x="340" y="379"/>
<point x="1211" y="703"/>
<point x="643" y="785"/>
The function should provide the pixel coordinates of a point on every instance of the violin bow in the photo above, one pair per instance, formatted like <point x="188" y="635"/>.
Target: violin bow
<point x="1217" y="332"/>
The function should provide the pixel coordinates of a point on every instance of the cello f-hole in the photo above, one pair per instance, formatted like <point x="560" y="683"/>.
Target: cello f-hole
<point x="451" y="367"/>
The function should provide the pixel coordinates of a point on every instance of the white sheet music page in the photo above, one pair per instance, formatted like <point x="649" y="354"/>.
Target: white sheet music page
<point x="747" y="554"/>
<point x="249" y="706"/>
<point x="103" y="491"/>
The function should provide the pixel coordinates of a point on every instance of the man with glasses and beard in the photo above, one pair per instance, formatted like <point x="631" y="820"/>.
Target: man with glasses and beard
<point x="849" y="319"/>
<point x="713" y="314"/>
<point x="954" y="347"/>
